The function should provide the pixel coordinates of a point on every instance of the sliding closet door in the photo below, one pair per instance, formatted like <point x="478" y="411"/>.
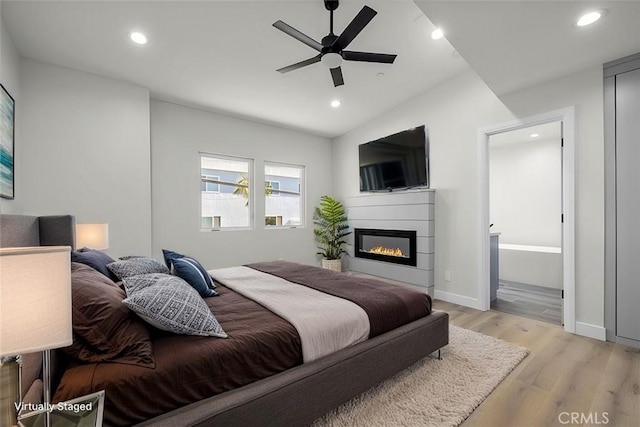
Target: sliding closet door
<point x="627" y="112"/>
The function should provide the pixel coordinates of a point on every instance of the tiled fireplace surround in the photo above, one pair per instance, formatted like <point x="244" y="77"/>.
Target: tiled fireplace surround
<point x="411" y="210"/>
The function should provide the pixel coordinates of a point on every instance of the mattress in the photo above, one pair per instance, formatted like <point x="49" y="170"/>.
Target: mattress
<point x="260" y="344"/>
<point x="191" y="368"/>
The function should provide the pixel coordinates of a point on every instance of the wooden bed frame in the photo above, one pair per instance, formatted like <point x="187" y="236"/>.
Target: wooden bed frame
<point x="295" y="397"/>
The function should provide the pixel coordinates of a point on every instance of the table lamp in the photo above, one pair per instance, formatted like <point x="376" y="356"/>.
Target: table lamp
<point x="92" y="236"/>
<point x="35" y="315"/>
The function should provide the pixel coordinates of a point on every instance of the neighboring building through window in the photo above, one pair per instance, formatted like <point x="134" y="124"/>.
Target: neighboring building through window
<point x="272" y="188"/>
<point x="283" y="194"/>
<point x="273" y="220"/>
<point x="210" y="222"/>
<point x="209" y="183"/>
<point x="225" y="184"/>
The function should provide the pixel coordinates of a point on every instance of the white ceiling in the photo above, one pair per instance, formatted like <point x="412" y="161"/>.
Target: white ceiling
<point x="222" y="55"/>
<point x="544" y="131"/>
<point x="514" y="44"/>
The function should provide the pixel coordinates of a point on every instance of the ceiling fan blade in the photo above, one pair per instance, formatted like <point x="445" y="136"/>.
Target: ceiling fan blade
<point x="349" y="55"/>
<point x="353" y="29"/>
<point x="300" y="64"/>
<point x="286" y="28"/>
<point x="336" y="75"/>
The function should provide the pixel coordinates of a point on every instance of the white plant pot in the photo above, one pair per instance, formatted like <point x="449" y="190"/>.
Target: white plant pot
<point x="332" y="264"/>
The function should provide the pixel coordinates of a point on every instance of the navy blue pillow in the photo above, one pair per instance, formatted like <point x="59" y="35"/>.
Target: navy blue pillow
<point x="95" y="259"/>
<point x="169" y="256"/>
<point x="190" y="270"/>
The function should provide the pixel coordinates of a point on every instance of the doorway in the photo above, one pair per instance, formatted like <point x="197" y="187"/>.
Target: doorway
<point x="567" y="217"/>
<point x="525" y="211"/>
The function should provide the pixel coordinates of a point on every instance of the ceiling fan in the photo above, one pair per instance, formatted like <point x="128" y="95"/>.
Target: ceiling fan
<point x="332" y="47"/>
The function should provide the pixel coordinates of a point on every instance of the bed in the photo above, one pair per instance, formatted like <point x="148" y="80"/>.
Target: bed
<point x="278" y="385"/>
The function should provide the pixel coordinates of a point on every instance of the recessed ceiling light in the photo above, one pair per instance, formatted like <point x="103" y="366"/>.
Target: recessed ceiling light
<point x="335" y="103"/>
<point x="589" y="18"/>
<point x="138" y="37"/>
<point x="437" y="34"/>
<point x="535" y="135"/>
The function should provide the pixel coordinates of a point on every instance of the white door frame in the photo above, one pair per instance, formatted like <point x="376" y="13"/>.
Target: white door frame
<point x="567" y="116"/>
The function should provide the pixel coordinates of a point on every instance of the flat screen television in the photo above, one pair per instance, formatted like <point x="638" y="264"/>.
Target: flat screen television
<point x="398" y="161"/>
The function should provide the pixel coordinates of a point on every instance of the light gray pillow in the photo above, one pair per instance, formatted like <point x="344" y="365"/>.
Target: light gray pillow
<point x="171" y="304"/>
<point x="136" y="266"/>
<point x="136" y="283"/>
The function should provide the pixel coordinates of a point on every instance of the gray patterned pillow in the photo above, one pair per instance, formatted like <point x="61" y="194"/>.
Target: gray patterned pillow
<point x="133" y="284"/>
<point x="171" y="304"/>
<point x="137" y="266"/>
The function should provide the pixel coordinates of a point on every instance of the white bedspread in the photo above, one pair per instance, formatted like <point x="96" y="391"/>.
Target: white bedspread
<point x="325" y="323"/>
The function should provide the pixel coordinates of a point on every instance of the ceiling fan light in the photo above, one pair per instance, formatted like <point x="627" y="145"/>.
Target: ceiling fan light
<point x="331" y="60"/>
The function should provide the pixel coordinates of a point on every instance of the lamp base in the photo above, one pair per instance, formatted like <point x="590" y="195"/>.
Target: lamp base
<point x="10" y="393"/>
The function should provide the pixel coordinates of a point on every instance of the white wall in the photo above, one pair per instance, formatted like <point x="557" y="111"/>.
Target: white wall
<point x="179" y="134"/>
<point x="84" y="150"/>
<point x="453" y="112"/>
<point x="526" y="192"/>
<point x="10" y="79"/>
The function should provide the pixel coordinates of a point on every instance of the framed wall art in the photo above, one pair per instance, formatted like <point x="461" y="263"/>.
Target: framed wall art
<point x="7" y="144"/>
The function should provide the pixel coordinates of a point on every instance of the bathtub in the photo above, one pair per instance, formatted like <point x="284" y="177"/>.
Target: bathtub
<point x="533" y="265"/>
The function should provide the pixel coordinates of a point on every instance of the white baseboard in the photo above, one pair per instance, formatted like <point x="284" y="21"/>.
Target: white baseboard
<point x="591" y="331"/>
<point x="458" y="299"/>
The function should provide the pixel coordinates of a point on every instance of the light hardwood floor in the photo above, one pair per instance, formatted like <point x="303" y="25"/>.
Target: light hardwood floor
<point x="565" y="375"/>
<point x="534" y="302"/>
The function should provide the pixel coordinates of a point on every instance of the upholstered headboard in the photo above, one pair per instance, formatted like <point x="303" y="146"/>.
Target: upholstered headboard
<point x="24" y="230"/>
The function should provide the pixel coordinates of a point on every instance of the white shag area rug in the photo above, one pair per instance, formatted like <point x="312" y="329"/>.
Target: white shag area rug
<point x="434" y="392"/>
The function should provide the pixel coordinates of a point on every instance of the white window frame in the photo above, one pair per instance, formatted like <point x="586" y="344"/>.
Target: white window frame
<point x="251" y="199"/>
<point x="302" y="194"/>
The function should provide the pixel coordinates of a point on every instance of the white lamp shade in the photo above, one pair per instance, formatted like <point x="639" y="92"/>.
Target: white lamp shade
<point x="35" y="299"/>
<point x="92" y="236"/>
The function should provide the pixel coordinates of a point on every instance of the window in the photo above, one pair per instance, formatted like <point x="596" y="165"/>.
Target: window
<point x="272" y="187"/>
<point x="224" y="192"/>
<point x="273" y="220"/>
<point x="283" y="195"/>
<point x="208" y="182"/>
<point x="210" y="222"/>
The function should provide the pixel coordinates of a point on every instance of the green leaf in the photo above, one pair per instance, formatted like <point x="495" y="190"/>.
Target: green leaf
<point x="330" y="219"/>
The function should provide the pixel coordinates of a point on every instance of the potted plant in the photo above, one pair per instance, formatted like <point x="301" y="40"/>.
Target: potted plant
<point x="330" y="219"/>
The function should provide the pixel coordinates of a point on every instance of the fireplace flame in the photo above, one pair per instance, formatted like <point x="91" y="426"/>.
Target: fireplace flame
<point x="387" y="251"/>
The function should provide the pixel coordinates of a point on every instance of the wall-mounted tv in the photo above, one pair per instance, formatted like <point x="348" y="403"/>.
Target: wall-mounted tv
<point x="398" y="161"/>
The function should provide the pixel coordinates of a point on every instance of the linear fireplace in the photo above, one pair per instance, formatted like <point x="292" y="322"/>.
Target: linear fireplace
<point x="396" y="246"/>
